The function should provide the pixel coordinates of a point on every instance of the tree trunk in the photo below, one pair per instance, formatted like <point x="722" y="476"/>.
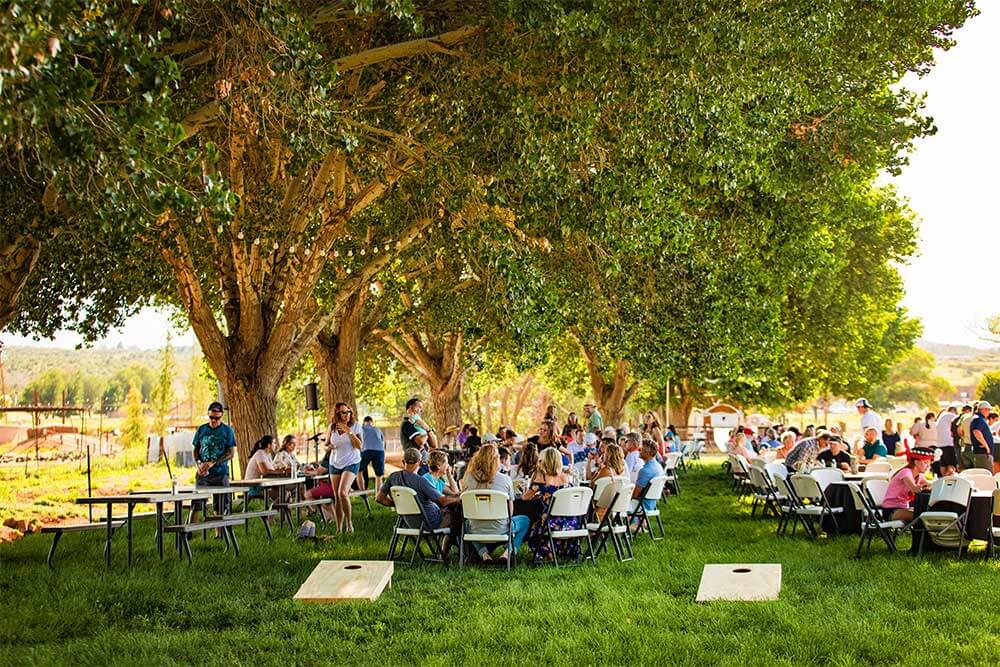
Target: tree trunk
<point x="681" y="408"/>
<point x="252" y="409"/>
<point x="611" y="395"/>
<point x="17" y="259"/>
<point x="336" y="355"/>
<point x="527" y="384"/>
<point x="446" y="401"/>
<point x="437" y="360"/>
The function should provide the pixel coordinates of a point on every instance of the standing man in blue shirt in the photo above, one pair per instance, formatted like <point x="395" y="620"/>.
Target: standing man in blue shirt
<point x="372" y="451"/>
<point x="214" y="444"/>
<point x="982" y="437"/>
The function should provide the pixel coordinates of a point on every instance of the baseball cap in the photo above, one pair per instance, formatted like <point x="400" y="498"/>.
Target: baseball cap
<point x="490" y="437"/>
<point x="215" y="406"/>
<point x="589" y="440"/>
<point x="862" y="403"/>
<point x="985" y="404"/>
<point x="610" y="432"/>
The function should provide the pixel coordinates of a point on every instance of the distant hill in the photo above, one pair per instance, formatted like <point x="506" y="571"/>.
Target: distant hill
<point x="21" y="364"/>
<point x="960" y="364"/>
<point x="945" y="351"/>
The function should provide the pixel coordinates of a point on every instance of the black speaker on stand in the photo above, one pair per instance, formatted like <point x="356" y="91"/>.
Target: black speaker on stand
<point x="312" y="405"/>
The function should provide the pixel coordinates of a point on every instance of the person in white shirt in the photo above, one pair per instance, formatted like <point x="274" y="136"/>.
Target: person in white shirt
<point x="869" y="418"/>
<point x="285" y="458"/>
<point x="924" y="431"/>
<point x="345" y="461"/>
<point x="633" y="462"/>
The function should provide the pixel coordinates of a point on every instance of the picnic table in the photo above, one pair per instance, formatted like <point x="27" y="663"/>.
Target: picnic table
<point x="133" y="499"/>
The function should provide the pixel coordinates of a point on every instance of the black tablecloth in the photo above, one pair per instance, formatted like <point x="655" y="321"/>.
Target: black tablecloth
<point x="838" y="494"/>
<point x="978" y="522"/>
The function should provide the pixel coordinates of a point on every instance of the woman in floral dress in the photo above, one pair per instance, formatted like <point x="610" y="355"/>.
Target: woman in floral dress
<point x="548" y="479"/>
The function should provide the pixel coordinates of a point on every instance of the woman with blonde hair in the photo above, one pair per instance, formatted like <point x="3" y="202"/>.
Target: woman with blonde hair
<point x="483" y="472"/>
<point x="611" y="464"/>
<point x="549" y="478"/>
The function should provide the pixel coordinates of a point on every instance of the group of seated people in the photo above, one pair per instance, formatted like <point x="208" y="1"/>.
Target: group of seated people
<point x="529" y="486"/>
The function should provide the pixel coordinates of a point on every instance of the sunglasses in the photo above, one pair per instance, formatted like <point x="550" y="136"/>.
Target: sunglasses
<point x="345" y="412"/>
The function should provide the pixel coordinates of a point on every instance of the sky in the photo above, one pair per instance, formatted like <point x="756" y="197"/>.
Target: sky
<point x="950" y="181"/>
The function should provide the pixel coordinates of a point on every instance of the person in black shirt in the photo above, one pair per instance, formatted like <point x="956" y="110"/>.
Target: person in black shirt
<point x="836" y="455"/>
<point x="890" y="438"/>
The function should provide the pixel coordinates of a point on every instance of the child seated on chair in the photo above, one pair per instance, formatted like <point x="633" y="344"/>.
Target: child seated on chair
<point x="907" y="483"/>
<point x="439" y="474"/>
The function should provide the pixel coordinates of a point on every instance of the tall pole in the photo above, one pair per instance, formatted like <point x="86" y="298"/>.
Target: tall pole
<point x="90" y="507"/>
<point x="666" y="406"/>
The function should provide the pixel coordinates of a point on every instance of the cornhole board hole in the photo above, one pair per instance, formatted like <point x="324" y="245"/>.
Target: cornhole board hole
<point x="346" y="581"/>
<point x="740" y="581"/>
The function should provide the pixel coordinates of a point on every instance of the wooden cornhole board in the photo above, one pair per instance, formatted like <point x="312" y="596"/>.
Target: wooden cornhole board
<point x="740" y="581"/>
<point x="346" y="580"/>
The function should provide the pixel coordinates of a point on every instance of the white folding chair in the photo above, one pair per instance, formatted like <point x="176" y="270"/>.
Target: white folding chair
<point x="761" y="492"/>
<point x="976" y="472"/>
<point x="982" y="483"/>
<point x="670" y="463"/>
<point x="410" y="511"/>
<point x="827" y="476"/>
<point x="653" y="491"/>
<point x="876" y="488"/>
<point x="811" y="505"/>
<point x="946" y="525"/>
<point x="614" y="524"/>
<point x="570" y="503"/>
<point x="879" y="466"/>
<point x="486" y="505"/>
<point x="871" y="521"/>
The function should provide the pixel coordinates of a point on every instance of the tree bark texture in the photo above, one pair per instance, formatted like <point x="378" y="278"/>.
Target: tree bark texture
<point x="336" y="354"/>
<point x="611" y="394"/>
<point x="437" y="361"/>
<point x="252" y="412"/>
<point x="18" y="257"/>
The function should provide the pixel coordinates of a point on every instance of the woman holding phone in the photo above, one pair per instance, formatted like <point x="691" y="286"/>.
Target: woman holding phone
<point x="344" y="437"/>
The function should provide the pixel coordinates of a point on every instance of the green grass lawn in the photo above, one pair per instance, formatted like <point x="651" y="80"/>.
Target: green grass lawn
<point x="833" y="609"/>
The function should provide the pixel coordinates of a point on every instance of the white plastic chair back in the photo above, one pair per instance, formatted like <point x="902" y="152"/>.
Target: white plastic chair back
<point x="601" y="487"/>
<point x="997" y="478"/>
<point x="404" y="501"/>
<point x="996" y="502"/>
<point x="484" y="505"/>
<point x="876" y="488"/>
<point x="670" y="461"/>
<point x="806" y="486"/>
<point x="951" y="490"/>
<point x="776" y="471"/>
<point x="744" y="465"/>
<point x="879" y="466"/>
<point x="971" y="473"/>
<point x="982" y="483"/>
<point x="757" y="479"/>
<point x="623" y="501"/>
<point x="757" y="462"/>
<point x="827" y="476"/>
<point x="655" y="488"/>
<point x="571" y="501"/>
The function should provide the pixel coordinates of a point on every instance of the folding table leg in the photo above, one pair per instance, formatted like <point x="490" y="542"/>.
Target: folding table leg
<point x="128" y="531"/>
<point x="111" y="532"/>
<point x="52" y="550"/>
